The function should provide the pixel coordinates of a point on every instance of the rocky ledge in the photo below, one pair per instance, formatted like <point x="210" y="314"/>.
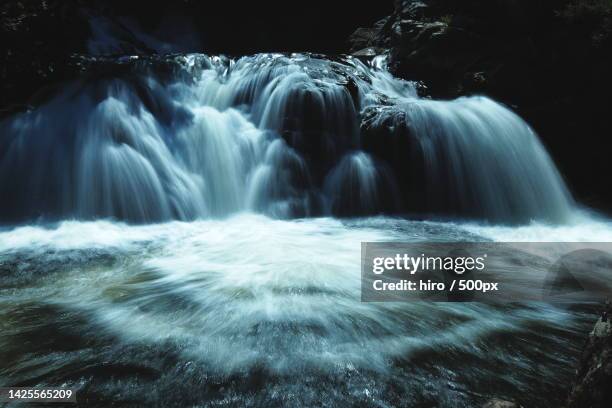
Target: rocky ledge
<point x="547" y="59"/>
<point x="591" y="385"/>
<point x="591" y="388"/>
<point x="39" y="37"/>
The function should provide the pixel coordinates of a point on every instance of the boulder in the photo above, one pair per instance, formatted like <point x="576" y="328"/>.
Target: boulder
<point x="498" y="403"/>
<point x="548" y="60"/>
<point x="591" y="387"/>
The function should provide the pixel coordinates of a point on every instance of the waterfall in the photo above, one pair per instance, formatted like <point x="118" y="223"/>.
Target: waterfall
<point x="494" y="165"/>
<point x="359" y="186"/>
<point x="284" y="135"/>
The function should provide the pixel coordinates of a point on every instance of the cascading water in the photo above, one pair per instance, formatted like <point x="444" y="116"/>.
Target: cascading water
<point x="472" y="157"/>
<point x="273" y="134"/>
<point x="242" y="309"/>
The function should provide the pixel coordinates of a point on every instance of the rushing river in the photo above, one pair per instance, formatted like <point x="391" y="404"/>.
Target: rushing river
<point x="193" y="239"/>
<point x="255" y="311"/>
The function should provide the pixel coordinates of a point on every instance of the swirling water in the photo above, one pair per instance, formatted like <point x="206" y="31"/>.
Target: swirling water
<point x="178" y="240"/>
<point x="251" y="310"/>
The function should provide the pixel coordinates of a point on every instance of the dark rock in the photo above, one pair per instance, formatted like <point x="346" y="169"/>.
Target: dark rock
<point x="549" y="60"/>
<point x="387" y="135"/>
<point x="362" y="38"/>
<point x="498" y="403"/>
<point x="375" y="37"/>
<point x="368" y="52"/>
<point x="37" y="37"/>
<point x="591" y="388"/>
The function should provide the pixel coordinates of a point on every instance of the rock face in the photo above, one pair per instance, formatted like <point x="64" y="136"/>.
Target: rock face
<point x="591" y="387"/>
<point x="39" y="37"/>
<point x="36" y="39"/>
<point x="497" y="403"/>
<point x="546" y="59"/>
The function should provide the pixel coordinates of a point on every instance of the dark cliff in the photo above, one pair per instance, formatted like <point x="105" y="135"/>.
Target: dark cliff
<point x="591" y="387"/>
<point x="38" y="38"/>
<point x="549" y="60"/>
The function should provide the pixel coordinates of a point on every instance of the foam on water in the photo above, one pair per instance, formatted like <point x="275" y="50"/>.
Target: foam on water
<point x="208" y="309"/>
<point x="251" y="294"/>
<point x="582" y="226"/>
<point x="275" y="134"/>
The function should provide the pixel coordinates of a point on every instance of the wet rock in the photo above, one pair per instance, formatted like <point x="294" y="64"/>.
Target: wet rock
<point x="549" y="60"/>
<point x="37" y="38"/>
<point x="368" y="52"/>
<point x="602" y="329"/>
<point x="498" y="403"/>
<point x="363" y="37"/>
<point x="376" y="36"/>
<point x="387" y="134"/>
<point x="591" y="387"/>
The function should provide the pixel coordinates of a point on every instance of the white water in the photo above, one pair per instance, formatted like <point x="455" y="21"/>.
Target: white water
<point x="504" y="171"/>
<point x="272" y="134"/>
<point x="186" y="312"/>
<point x="249" y="293"/>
